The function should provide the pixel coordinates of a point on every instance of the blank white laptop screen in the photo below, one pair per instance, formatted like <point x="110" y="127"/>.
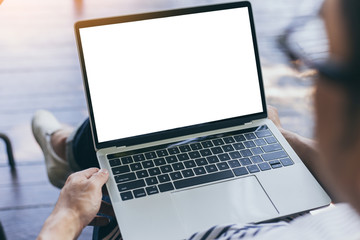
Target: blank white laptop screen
<point x="159" y="74"/>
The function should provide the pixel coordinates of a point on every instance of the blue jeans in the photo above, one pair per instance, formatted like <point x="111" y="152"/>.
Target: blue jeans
<point x="80" y="150"/>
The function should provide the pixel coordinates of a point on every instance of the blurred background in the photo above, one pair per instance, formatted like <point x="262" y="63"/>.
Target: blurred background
<point x="39" y="69"/>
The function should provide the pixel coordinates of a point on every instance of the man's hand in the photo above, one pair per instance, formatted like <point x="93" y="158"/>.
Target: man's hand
<point x="78" y="204"/>
<point x="273" y="115"/>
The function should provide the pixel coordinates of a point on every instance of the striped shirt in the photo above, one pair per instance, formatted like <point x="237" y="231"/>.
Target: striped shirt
<point x="340" y="222"/>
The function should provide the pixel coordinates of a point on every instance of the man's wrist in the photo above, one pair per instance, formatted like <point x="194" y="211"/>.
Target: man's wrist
<point x="63" y="224"/>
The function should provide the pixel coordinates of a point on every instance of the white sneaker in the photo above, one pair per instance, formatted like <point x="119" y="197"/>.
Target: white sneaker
<point x="43" y="125"/>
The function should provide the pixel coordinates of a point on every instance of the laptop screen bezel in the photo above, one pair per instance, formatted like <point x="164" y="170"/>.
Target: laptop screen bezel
<point x="182" y="131"/>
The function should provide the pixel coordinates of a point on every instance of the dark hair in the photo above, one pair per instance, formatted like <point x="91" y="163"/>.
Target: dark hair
<point x="351" y="14"/>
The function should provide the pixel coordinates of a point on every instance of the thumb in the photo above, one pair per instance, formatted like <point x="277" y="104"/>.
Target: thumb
<point x="100" y="177"/>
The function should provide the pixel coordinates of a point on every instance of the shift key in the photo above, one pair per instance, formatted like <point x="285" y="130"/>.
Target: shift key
<point x="131" y="185"/>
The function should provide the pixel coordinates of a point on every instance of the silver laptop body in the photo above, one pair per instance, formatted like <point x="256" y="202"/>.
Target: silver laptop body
<point x="178" y="115"/>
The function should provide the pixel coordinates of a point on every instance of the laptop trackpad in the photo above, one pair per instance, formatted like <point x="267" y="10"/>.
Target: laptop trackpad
<point x="238" y="201"/>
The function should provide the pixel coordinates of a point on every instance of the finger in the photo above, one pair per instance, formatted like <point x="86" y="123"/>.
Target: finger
<point x="99" y="221"/>
<point x="100" y="177"/>
<point x="88" y="173"/>
<point x="107" y="209"/>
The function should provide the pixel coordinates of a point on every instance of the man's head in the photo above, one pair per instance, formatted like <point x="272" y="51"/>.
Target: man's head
<point x="338" y="103"/>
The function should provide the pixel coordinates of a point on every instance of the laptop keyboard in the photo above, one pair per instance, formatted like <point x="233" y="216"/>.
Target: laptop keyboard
<point x="209" y="159"/>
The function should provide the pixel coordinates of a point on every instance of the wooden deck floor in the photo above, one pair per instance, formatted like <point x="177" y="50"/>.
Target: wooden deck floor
<point x="39" y="69"/>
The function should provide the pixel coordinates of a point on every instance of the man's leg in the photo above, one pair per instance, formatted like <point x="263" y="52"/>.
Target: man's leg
<point x="65" y="150"/>
<point x="80" y="149"/>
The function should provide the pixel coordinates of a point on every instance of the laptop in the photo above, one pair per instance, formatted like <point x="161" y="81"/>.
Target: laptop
<point x="178" y="116"/>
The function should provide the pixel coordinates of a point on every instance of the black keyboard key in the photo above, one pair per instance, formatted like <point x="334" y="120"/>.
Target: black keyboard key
<point x="286" y="162"/>
<point x="203" y="179"/>
<point x="264" y="166"/>
<point x="142" y="174"/>
<point x="260" y="142"/>
<point x="188" y="173"/>
<point x="151" y="190"/>
<point x="125" y="177"/>
<point x="162" y="153"/>
<point x="166" y="169"/>
<point x="199" y="170"/>
<point x="205" y="152"/>
<point x="195" y="154"/>
<point x="163" y="178"/>
<point x="196" y="146"/>
<point x="150" y="155"/>
<point x="201" y="162"/>
<point x="131" y="185"/>
<point x="160" y="161"/>
<point x="224" y="157"/>
<point x="274" y="155"/>
<point x="151" y="181"/>
<point x="228" y="140"/>
<point x="245" y="161"/>
<point x="154" y="171"/>
<point x="148" y="164"/>
<point x="235" y="155"/>
<point x="183" y="156"/>
<point x="234" y="163"/>
<point x="175" y="176"/>
<point x="190" y="164"/>
<point x="250" y="136"/>
<point x="207" y="144"/>
<point x="271" y="140"/>
<point x="227" y="148"/>
<point x="218" y="142"/>
<point x="275" y="164"/>
<point x="185" y="148"/>
<point x="222" y="166"/>
<point x="240" y="171"/>
<point x="126" y="195"/>
<point x="257" y="150"/>
<point x="211" y="168"/>
<point x="216" y="150"/>
<point x="178" y="166"/>
<point x="212" y="159"/>
<point x="120" y="170"/>
<point x="136" y="166"/>
<point x="114" y="162"/>
<point x="246" y="153"/>
<point x="262" y="134"/>
<point x="139" y="193"/>
<point x="256" y="159"/>
<point x="239" y="138"/>
<point x="249" y="144"/>
<point x="238" y="146"/>
<point x="127" y="160"/>
<point x="166" y="187"/>
<point x="139" y="157"/>
<point x="171" y="159"/>
<point x="253" y="169"/>
<point x="112" y="156"/>
<point x="173" y="150"/>
<point x="272" y="147"/>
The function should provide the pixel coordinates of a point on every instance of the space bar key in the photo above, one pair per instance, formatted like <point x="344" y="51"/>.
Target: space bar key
<point x="203" y="179"/>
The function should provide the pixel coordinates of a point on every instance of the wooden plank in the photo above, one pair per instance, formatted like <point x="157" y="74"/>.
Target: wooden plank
<point x="31" y="174"/>
<point x="31" y="195"/>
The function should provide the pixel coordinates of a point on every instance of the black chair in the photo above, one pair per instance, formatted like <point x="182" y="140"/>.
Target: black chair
<point x="8" y="150"/>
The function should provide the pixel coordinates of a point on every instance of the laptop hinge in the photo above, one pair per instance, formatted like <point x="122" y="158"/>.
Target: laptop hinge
<point x="248" y="123"/>
<point x="120" y="147"/>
